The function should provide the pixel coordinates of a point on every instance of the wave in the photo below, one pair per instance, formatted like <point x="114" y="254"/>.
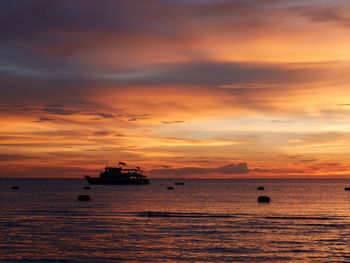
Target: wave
<point x="299" y="218"/>
<point x="175" y="214"/>
<point x="66" y="212"/>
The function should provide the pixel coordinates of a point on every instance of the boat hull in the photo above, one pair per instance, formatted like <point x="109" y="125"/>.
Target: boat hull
<point x="98" y="180"/>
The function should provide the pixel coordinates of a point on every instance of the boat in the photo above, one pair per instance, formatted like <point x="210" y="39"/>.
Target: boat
<point x="119" y="175"/>
<point x="179" y="183"/>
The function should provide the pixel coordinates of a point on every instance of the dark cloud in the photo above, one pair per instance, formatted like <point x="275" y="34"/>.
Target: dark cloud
<point x="102" y="115"/>
<point x="54" y="109"/>
<point x="103" y="133"/>
<point x="43" y="119"/>
<point x="14" y="157"/>
<point x="295" y="156"/>
<point x="44" y="18"/>
<point x="328" y="14"/>
<point x="332" y="164"/>
<point x="119" y="135"/>
<point x="307" y="160"/>
<point x="59" y="110"/>
<point x="43" y="38"/>
<point x="136" y="117"/>
<point x="209" y="74"/>
<point x="219" y="74"/>
<point x="72" y="109"/>
<point x="38" y="91"/>
<point x="240" y="168"/>
<point x="48" y="48"/>
<point x="164" y="166"/>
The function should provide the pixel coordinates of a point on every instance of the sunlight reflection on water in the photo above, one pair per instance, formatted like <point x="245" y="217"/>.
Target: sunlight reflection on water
<point x="201" y="221"/>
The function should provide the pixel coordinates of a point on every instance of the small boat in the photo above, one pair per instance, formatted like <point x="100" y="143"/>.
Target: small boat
<point x="83" y="198"/>
<point x="170" y="188"/>
<point x="119" y="175"/>
<point x="264" y="199"/>
<point x="179" y="183"/>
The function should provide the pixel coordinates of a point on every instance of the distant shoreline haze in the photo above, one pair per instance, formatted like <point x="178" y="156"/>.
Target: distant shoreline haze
<point x="239" y="170"/>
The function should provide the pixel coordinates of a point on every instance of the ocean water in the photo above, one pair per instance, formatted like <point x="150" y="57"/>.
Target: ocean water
<point x="201" y="221"/>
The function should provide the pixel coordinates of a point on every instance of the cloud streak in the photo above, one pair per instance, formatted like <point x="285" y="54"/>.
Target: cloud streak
<point x="164" y="83"/>
<point x="240" y="168"/>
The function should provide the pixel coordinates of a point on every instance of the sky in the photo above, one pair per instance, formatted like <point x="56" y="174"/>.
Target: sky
<point x="181" y="88"/>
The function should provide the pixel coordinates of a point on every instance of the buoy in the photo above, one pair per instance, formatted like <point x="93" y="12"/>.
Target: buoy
<point x="87" y="187"/>
<point x="170" y="188"/>
<point x="83" y="198"/>
<point x="264" y="199"/>
<point x="347" y="188"/>
<point x="15" y="187"/>
<point x="260" y="188"/>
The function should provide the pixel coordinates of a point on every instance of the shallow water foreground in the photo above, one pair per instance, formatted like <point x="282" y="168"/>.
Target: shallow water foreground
<point x="201" y="221"/>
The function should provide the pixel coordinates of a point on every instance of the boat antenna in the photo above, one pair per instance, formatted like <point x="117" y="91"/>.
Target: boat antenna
<point x="122" y="163"/>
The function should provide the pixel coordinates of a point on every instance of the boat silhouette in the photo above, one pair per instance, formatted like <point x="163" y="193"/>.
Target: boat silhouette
<point x="119" y="175"/>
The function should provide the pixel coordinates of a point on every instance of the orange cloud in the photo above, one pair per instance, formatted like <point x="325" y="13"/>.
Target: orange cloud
<point x="188" y="82"/>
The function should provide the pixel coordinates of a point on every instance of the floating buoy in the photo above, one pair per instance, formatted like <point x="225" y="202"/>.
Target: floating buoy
<point x="83" y="198"/>
<point x="15" y="187"/>
<point x="87" y="187"/>
<point x="260" y="188"/>
<point x="170" y="188"/>
<point x="264" y="199"/>
<point x="347" y="188"/>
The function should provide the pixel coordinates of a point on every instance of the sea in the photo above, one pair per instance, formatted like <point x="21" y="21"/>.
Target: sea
<point x="203" y="220"/>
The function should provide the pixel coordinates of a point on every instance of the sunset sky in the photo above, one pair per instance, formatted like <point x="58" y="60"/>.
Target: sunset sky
<point x="181" y="88"/>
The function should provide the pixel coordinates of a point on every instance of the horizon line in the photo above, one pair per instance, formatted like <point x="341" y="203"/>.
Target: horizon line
<point x="204" y="178"/>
